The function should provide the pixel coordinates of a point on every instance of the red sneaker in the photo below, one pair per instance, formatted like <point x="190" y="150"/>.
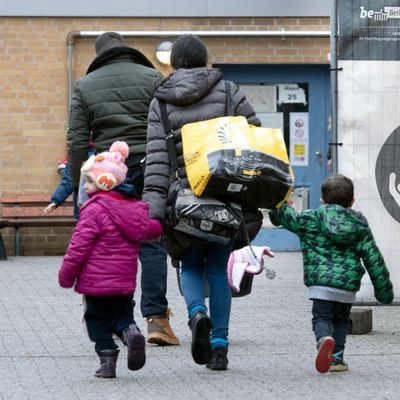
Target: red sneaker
<point x="325" y="349"/>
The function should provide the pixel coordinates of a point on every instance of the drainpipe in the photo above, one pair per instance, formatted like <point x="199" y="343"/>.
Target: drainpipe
<point x="334" y="86"/>
<point x="72" y="36"/>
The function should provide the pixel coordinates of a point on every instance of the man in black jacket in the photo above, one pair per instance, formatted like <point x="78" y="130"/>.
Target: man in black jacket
<point x="111" y="102"/>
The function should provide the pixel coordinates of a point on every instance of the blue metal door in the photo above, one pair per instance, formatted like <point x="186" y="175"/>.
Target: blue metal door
<point x="295" y="98"/>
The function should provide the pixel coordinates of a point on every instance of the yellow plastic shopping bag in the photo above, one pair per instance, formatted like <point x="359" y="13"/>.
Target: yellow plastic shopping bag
<point x="228" y="158"/>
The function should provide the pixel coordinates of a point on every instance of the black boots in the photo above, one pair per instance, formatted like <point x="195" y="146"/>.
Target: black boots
<point x="135" y="343"/>
<point x="219" y="359"/>
<point x="108" y="363"/>
<point x="200" y="324"/>
<point x="216" y="358"/>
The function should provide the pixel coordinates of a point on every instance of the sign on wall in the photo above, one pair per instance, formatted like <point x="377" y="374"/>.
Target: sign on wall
<point x="299" y="139"/>
<point x="369" y="119"/>
<point x="291" y="93"/>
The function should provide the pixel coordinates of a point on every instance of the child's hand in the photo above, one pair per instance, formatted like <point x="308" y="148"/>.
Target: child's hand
<point x="289" y="202"/>
<point x="49" y="209"/>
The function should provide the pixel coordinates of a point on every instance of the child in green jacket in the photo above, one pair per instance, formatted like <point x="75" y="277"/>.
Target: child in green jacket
<point x="334" y="240"/>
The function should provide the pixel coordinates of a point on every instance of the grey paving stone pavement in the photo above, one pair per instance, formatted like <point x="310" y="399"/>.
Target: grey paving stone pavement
<point x="44" y="353"/>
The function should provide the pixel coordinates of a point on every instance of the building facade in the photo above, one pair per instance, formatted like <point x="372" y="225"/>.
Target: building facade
<point x="34" y="81"/>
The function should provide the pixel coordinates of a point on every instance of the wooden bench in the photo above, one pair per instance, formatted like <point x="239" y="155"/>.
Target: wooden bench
<point x="18" y="211"/>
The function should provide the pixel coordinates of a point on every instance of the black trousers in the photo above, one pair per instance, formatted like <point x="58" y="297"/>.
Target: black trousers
<point x="105" y="316"/>
<point x="331" y="318"/>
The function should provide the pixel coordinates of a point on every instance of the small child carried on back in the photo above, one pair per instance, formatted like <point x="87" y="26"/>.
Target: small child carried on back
<point x="334" y="240"/>
<point x="101" y="259"/>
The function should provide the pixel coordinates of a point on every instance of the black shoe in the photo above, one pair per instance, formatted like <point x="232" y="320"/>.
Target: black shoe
<point x="219" y="359"/>
<point x="200" y="324"/>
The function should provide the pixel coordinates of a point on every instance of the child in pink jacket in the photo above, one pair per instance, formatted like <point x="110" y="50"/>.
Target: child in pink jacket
<point x="101" y="259"/>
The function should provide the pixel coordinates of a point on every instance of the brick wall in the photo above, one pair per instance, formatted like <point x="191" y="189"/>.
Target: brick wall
<point x="33" y="88"/>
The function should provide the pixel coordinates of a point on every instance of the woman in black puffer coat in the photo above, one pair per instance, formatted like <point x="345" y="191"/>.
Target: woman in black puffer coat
<point x="192" y="93"/>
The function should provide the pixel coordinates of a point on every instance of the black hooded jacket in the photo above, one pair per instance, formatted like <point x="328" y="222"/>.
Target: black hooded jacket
<point x="111" y="102"/>
<point x="191" y="95"/>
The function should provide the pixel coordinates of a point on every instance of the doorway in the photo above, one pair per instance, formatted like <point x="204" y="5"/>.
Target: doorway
<point x="296" y="99"/>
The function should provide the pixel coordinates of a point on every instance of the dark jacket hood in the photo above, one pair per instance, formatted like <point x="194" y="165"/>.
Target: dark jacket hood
<point x="341" y="225"/>
<point x="187" y="86"/>
<point x="119" y="52"/>
<point x="127" y="189"/>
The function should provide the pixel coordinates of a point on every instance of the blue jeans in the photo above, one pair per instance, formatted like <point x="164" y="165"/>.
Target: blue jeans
<point x="331" y="318"/>
<point x="208" y="261"/>
<point x="153" y="258"/>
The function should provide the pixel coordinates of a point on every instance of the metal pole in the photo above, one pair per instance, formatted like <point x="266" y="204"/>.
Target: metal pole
<point x="334" y="84"/>
<point x="70" y="67"/>
<point x="70" y="80"/>
<point x="231" y="33"/>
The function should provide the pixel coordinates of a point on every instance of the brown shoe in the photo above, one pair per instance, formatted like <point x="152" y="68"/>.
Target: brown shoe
<point x="159" y="330"/>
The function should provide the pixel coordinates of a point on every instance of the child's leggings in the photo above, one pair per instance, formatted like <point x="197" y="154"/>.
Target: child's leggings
<point x="105" y="316"/>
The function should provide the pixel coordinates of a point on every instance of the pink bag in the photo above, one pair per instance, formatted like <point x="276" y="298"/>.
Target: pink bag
<point x="244" y="262"/>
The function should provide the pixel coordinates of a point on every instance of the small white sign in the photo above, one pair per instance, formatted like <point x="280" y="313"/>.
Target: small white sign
<point x="299" y="139"/>
<point x="291" y="93"/>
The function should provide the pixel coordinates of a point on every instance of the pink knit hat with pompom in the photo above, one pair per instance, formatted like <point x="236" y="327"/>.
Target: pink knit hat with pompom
<point x="108" y="169"/>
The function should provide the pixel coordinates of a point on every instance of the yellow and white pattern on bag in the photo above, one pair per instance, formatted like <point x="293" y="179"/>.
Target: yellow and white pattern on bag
<point x="230" y="159"/>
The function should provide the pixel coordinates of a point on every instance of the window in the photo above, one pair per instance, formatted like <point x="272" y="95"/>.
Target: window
<point x="273" y="104"/>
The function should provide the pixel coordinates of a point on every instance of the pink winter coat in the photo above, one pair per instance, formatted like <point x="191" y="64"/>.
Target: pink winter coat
<point x="101" y="259"/>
